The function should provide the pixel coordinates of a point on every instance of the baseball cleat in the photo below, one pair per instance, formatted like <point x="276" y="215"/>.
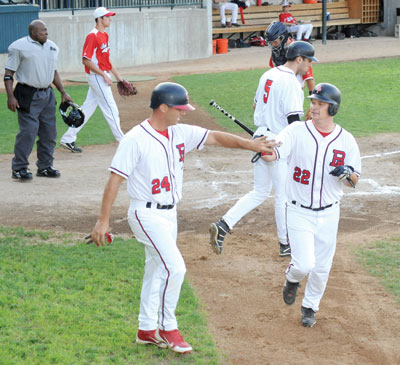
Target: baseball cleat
<point x="48" y="172"/>
<point x="284" y="250"/>
<point x="174" y="341"/>
<point x="290" y="292"/>
<point x="71" y="147"/>
<point x="218" y="232"/>
<point x="307" y="317"/>
<point x="149" y="338"/>
<point x="23" y="174"/>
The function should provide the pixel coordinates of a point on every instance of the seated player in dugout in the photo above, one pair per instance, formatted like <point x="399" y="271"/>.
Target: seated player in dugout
<point x="223" y="5"/>
<point x="278" y="39"/>
<point x="295" y="26"/>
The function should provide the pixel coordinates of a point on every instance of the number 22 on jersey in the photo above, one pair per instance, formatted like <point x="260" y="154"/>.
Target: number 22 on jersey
<point x="267" y="89"/>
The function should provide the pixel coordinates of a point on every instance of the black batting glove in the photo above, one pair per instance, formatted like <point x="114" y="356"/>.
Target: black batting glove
<point x="342" y="172"/>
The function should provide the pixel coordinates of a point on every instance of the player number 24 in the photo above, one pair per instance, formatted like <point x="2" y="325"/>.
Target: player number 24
<point x="158" y="185"/>
<point x="301" y="176"/>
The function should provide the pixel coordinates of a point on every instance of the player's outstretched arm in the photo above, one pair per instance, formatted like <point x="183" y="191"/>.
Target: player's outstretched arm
<point x="229" y="140"/>
<point x="110" y="193"/>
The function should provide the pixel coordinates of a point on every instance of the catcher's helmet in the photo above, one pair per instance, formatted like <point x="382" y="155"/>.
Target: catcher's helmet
<point x="172" y="94"/>
<point x="328" y="93"/>
<point x="72" y="114"/>
<point x="274" y="31"/>
<point x="301" y="48"/>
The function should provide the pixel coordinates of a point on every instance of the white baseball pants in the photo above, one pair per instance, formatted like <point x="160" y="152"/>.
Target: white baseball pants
<point x="164" y="268"/>
<point x="312" y="238"/>
<point x="228" y="6"/>
<point x="299" y="29"/>
<point x="266" y="175"/>
<point x="99" y="94"/>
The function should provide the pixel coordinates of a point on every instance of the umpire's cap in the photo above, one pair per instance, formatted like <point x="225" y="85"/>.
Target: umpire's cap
<point x="172" y="94"/>
<point x="301" y="48"/>
<point x="328" y="93"/>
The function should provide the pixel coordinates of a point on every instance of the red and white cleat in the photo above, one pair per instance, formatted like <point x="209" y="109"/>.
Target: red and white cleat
<point x="149" y="338"/>
<point x="174" y="341"/>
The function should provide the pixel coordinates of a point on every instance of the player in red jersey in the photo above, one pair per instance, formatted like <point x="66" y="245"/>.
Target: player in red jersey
<point x="293" y="26"/>
<point x="98" y="68"/>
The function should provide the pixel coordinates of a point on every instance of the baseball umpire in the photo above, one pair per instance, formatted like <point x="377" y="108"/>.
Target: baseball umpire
<point x="322" y="156"/>
<point x="33" y="60"/>
<point x="151" y="158"/>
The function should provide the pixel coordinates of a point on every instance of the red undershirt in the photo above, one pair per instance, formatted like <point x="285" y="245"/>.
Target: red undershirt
<point x="164" y="133"/>
<point x="324" y="134"/>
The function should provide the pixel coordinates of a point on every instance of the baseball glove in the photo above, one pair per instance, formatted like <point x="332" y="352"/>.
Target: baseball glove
<point x="126" y="88"/>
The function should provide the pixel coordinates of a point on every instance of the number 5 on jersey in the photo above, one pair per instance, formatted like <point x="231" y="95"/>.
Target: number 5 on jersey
<point x="267" y="89"/>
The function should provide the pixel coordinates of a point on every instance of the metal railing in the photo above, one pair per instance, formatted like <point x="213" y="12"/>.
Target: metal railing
<point x="54" y="5"/>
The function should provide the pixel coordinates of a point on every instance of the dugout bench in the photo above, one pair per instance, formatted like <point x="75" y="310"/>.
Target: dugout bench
<point x="257" y="18"/>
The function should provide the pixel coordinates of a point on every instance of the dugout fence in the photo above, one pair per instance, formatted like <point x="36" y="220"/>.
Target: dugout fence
<point x="56" y="5"/>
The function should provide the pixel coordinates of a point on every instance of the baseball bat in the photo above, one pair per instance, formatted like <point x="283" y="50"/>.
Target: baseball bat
<point x="238" y="122"/>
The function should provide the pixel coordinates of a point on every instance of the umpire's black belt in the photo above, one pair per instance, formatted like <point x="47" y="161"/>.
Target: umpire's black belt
<point x="170" y="206"/>
<point x="313" y="209"/>
<point x="35" y="88"/>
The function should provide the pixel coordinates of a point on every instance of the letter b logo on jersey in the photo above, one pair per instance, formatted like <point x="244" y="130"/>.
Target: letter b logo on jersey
<point x="181" y="150"/>
<point x="338" y="158"/>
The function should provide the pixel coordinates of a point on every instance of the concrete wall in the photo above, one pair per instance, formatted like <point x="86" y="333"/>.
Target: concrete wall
<point x="386" y="28"/>
<point x="137" y="37"/>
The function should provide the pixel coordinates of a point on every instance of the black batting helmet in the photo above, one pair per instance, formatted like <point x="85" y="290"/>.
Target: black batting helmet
<point x="172" y="94"/>
<point x="274" y="31"/>
<point x="328" y="93"/>
<point x="72" y="114"/>
<point x="301" y="48"/>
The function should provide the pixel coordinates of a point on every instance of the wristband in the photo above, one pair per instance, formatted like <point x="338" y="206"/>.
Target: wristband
<point x="8" y="77"/>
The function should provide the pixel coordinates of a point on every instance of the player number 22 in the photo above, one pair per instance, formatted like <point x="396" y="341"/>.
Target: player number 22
<point x="301" y="176"/>
<point x="267" y="89"/>
<point x="157" y="185"/>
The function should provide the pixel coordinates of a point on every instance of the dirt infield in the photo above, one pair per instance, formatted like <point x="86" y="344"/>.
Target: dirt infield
<point x="358" y="322"/>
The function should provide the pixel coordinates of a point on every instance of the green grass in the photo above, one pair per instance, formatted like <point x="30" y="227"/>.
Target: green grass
<point x="382" y="259"/>
<point x="370" y="94"/>
<point x="96" y="131"/>
<point x="369" y="104"/>
<point x="65" y="302"/>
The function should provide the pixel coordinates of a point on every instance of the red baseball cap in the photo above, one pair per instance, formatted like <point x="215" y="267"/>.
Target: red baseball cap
<point x="186" y="107"/>
<point x="99" y="12"/>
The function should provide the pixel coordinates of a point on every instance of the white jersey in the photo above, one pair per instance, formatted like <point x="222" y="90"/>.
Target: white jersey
<point x="278" y="96"/>
<point x="311" y="157"/>
<point x="153" y="163"/>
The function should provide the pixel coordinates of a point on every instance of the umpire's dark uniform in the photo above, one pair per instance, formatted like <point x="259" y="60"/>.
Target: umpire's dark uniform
<point x="34" y="65"/>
